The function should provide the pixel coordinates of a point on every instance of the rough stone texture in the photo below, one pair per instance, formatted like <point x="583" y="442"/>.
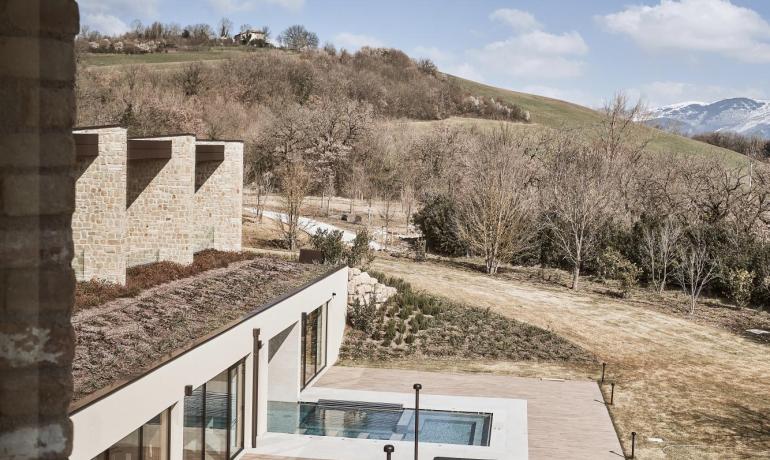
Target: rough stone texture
<point x="99" y="220"/>
<point x="367" y="290"/>
<point x="37" y="192"/>
<point x="219" y="200"/>
<point x="160" y="205"/>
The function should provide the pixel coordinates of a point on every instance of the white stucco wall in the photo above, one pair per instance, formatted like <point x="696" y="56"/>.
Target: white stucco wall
<point x="101" y="424"/>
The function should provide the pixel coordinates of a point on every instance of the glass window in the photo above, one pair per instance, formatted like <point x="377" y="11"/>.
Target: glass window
<point x="148" y="442"/>
<point x="313" y="343"/>
<point x="214" y="417"/>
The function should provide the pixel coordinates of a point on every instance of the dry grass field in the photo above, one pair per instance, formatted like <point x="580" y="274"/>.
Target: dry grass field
<point x="704" y="390"/>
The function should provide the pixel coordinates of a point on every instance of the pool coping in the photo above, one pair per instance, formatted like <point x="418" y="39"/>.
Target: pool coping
<point x="508" y="433"/>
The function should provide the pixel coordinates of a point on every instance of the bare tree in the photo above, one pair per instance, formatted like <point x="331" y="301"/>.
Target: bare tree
<point x="577" y="193"/>
<point x="298" y="38"/>
<point x="295" y="184"/>
<point x="495" y="200"/>
<point x="659" y="245"/>
<point x="265" y="184"/>
<point x="224" y="27"/>
<point x="696" y="266"/>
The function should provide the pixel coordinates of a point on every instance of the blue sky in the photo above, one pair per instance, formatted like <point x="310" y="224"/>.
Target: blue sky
<point x="664" y="51"/>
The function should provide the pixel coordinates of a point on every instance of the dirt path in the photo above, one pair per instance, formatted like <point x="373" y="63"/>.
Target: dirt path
<point x="704" y="391"/>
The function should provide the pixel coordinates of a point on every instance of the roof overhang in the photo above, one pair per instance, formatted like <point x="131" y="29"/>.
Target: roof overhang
<point x="86" y="145"/>
<point x="149" y="149"/>
<point x="209" y="152"/>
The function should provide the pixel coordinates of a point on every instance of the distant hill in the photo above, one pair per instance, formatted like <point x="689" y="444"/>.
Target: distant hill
<point x="544" y="111"/>
<point x="555" y="113"/>
<point x="739" y="115"/>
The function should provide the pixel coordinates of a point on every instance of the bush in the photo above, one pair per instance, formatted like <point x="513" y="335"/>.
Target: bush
<point x="436" y="221"/>
<point x="360" y="253"/>
<point x="612" y="264"/>
<point x="362" y="316"/>
<point x="740" y="284"/>
<point x="330" y="244"/>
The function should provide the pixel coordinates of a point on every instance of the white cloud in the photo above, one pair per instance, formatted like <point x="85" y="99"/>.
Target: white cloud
<point x="125" y="8"/>
<point x="105" y="24"/>
<point x="353" y="42"/>
<point x="534" y="54"/>
<point x="432" y="53"/>
<point x="235" y="6"/>
<point x="659" y="93"/>
<point x="715" y="26"/>
<point x="520" y="21"/>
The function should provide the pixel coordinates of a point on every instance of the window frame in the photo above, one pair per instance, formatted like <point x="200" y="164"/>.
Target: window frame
<point x="323" y="315"/>
<point x="140" y="445"/>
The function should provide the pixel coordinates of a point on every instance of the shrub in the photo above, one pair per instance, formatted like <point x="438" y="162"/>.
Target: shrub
<point x="360" y="253"/>
<point x="740" y="284"/>
<point x="436" y="221"/>
<point x="362" y="316"/>
<point x="190" y="79"/>
<point x="330" y="244"/>
<point x="612" y="264"/>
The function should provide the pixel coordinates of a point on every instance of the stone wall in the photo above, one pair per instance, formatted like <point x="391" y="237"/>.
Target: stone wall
<point x="367" y="289"/>
<point x="37" y="197"/>
<point x="160" y="205"/>
<point x="219" y="200"/>
<point x="99" y="220"/>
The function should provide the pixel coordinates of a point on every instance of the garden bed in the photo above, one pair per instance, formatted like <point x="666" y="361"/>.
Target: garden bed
<point x="414" y="324"/>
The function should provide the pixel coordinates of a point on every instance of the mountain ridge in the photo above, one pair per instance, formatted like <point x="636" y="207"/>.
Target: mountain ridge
<point x="740" y="115"/>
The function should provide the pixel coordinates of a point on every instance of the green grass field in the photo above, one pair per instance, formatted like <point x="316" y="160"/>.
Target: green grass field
<point x="109" y="59"/>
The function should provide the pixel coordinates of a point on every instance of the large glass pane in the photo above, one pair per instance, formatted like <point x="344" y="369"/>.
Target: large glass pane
<point x="126" y="449"/>
<point x="192" y="438"/>
<point x="241" y="402"/>
<point x="155" y="438"/>
<point x="216" y="418"/>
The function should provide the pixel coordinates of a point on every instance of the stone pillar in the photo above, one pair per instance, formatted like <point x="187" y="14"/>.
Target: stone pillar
<point x="160" y="204"/>
<point x="37" y="196"/>
<point x="219" y="199"/>
<point x="99" y="221"/>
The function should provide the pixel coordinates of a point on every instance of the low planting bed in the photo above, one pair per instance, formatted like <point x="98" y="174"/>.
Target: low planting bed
<point x="414" y="324"/>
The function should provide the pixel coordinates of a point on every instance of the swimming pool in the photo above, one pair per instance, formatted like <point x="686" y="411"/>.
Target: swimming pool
<point x="363" y="420"/>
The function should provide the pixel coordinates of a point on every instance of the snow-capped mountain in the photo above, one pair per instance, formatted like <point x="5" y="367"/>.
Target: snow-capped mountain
<point x="741" y="115"/>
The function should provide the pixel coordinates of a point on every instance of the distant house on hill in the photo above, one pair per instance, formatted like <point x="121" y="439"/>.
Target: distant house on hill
<point x="251" y="37"/>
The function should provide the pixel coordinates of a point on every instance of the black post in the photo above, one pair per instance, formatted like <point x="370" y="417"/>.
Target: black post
<point x="417" y="387"/>
<point x="388" y="450"/>
<point x="633" y="443"/>
<point x="604" y="366"/>
<point x="612" y="392"/>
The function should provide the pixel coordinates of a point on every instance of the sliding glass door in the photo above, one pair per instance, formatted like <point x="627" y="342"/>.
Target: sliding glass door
<point x="313" y="343"/>
<point x="213" y="425"/>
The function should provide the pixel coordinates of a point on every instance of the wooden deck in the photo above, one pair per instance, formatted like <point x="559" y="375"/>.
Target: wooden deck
<point x="565" y="419"/>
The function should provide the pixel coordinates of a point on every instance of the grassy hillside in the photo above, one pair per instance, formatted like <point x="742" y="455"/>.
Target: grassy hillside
<point x="545" y="111"/>
<point x="555" y="113"/>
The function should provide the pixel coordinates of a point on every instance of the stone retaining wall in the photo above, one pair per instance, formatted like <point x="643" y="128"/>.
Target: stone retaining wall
<point x="366" y="289"/>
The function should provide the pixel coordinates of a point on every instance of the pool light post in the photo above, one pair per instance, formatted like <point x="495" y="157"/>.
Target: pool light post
<point x="417" y="387"/>
<point x="388" y="450"/>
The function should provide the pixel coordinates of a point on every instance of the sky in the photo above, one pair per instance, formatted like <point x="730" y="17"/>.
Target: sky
<point x="662" y="51"/>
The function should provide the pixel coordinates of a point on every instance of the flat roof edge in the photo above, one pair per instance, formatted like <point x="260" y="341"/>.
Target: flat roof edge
<point x="82" y="128"/>
<point x="98" y="395"/>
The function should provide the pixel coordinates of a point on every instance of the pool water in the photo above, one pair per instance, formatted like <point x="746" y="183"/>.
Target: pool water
<point x="384" y="422"/>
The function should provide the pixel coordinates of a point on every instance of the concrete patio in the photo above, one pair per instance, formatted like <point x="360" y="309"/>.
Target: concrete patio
<point x="565" y="419"/>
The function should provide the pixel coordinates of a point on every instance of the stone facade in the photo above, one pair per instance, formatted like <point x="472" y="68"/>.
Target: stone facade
<point x="219" y="199"/>
<point x="160" y="205"/>
<point x="99" y="220"/>
<point x="367" y="290"/>
<point x="37" y="198"/>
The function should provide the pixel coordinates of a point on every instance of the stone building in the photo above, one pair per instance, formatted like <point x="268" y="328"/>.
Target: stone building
<point x="151" y="199"/>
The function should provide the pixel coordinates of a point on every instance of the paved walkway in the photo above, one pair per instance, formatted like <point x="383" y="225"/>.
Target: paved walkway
<point x="566" y="419"/>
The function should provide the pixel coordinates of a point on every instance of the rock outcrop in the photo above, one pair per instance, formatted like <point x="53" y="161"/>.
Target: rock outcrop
<point x="367" y="289"/>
